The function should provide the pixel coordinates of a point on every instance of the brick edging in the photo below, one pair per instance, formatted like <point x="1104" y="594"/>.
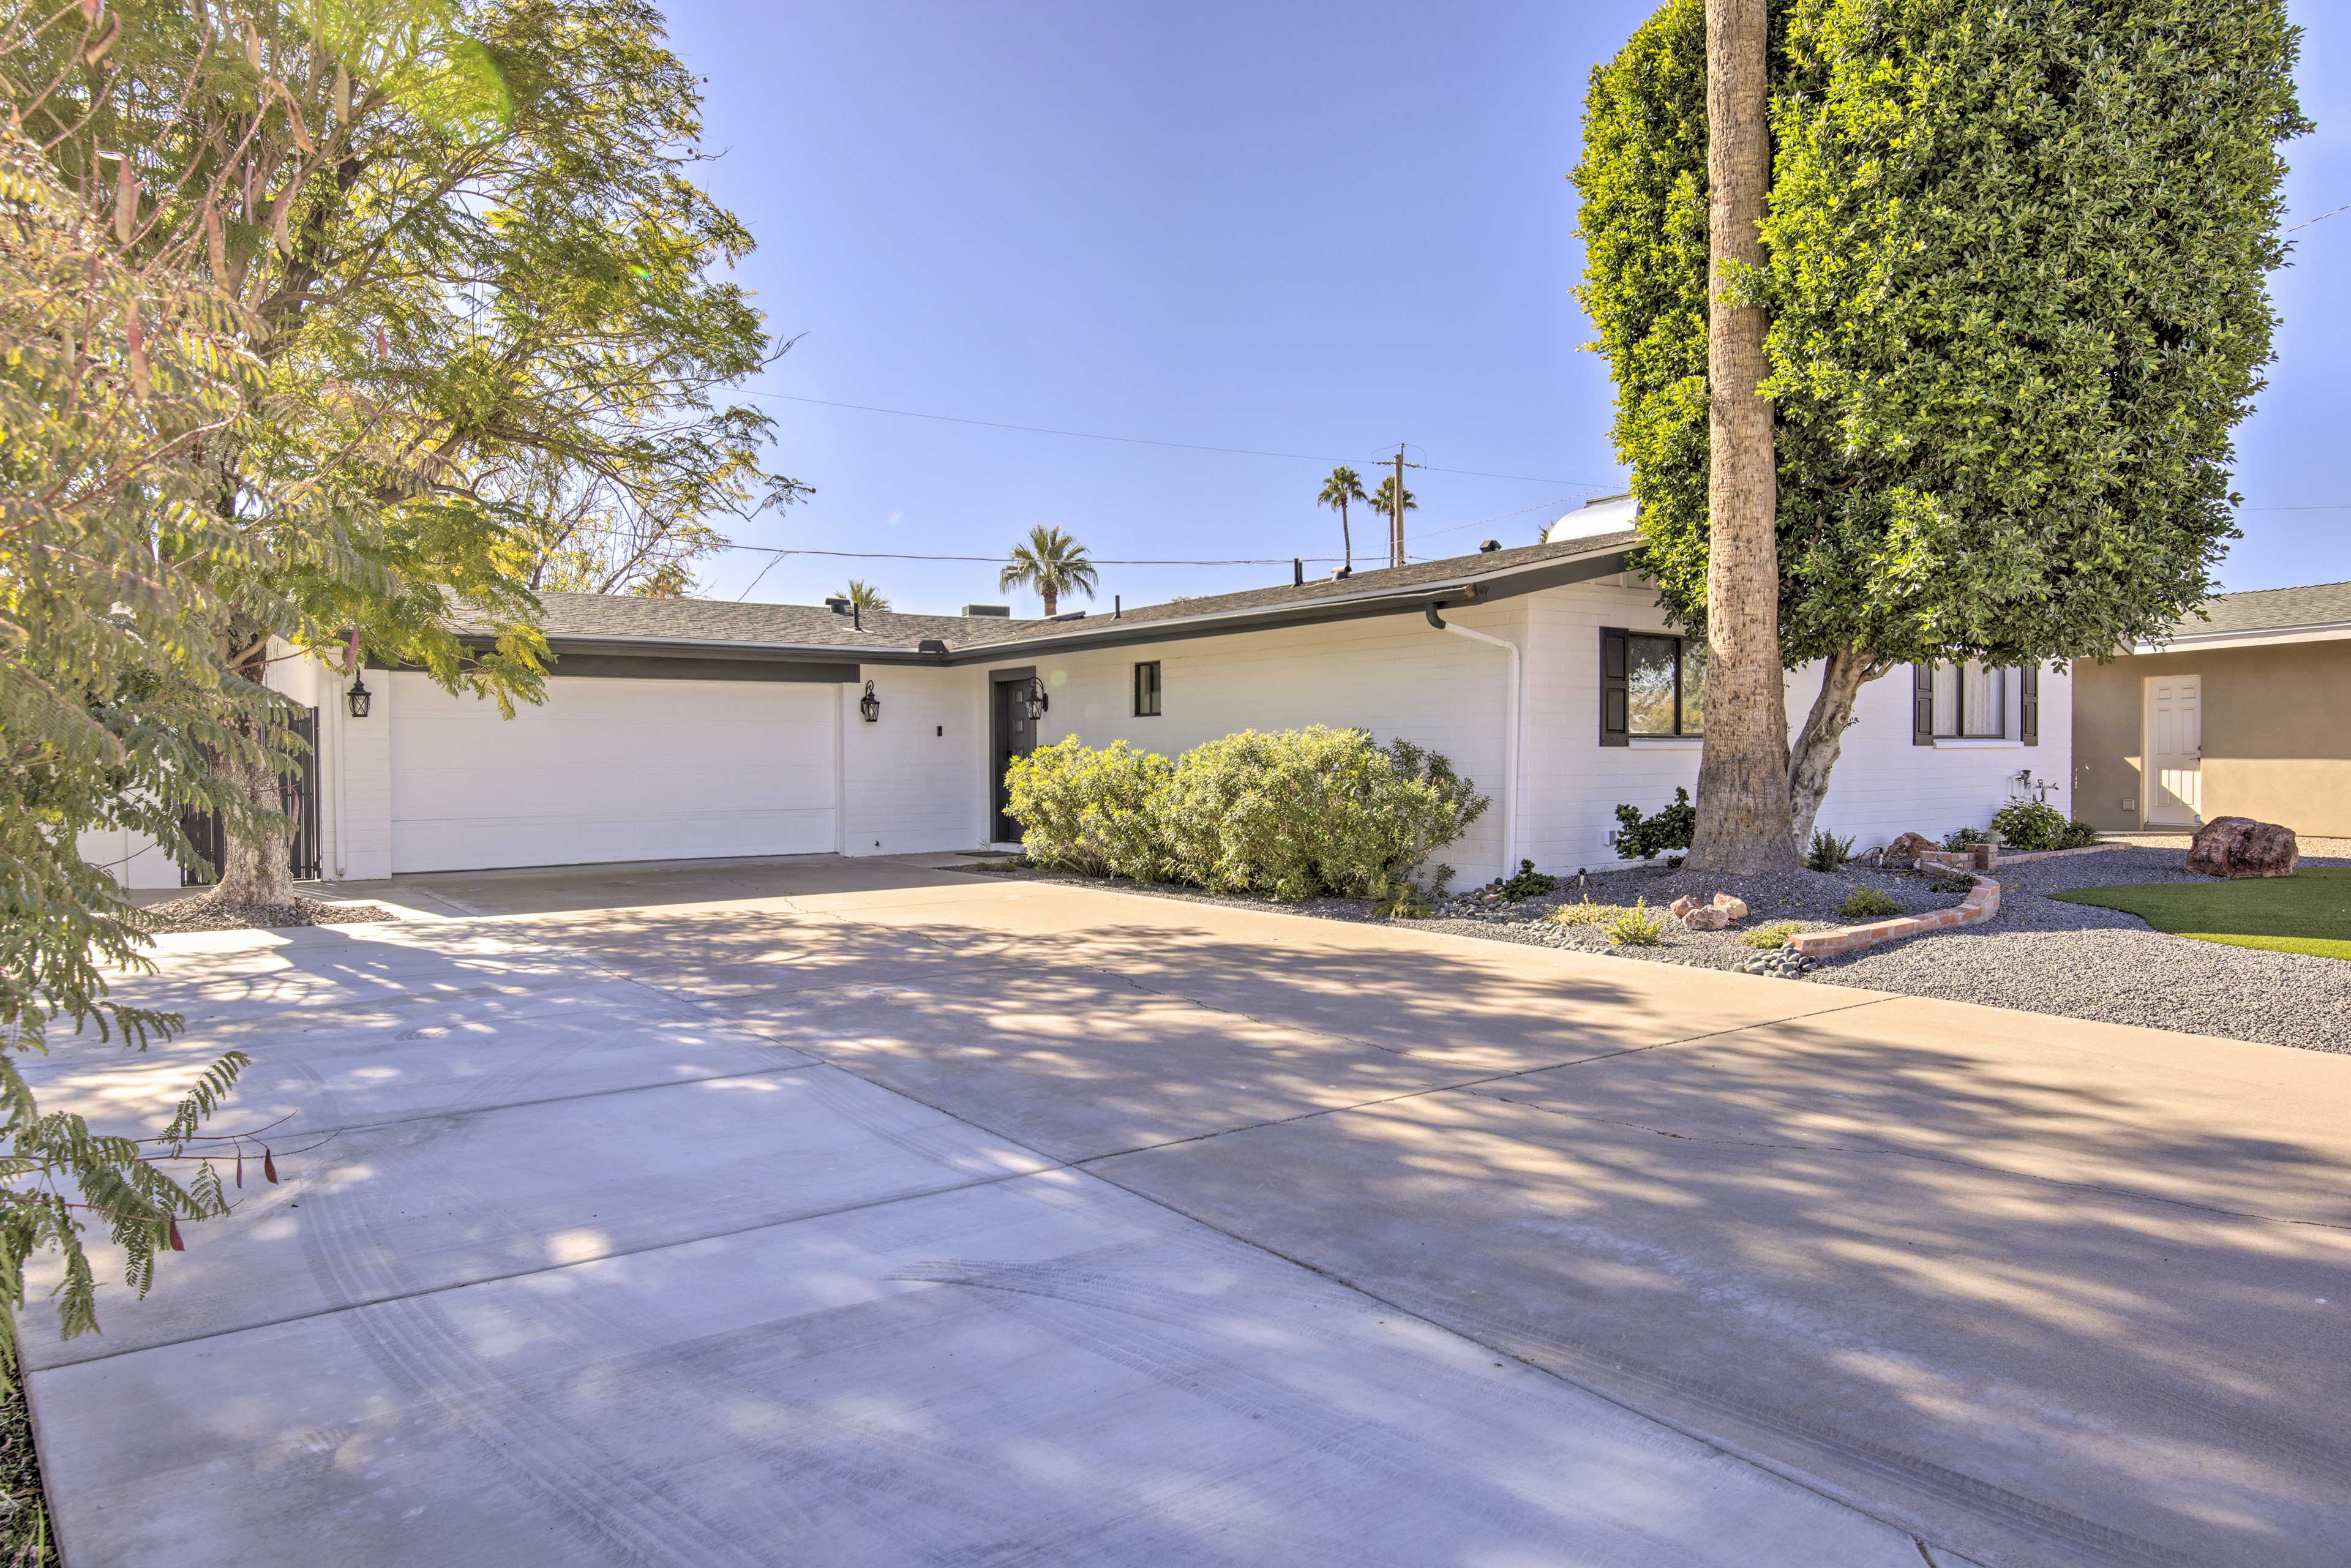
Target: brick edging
<point x="1981" y="905"/>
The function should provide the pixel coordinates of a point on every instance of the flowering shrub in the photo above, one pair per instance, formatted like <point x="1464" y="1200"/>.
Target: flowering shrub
<point x="1292" y="814"/>
<point x="1101" y="813"/>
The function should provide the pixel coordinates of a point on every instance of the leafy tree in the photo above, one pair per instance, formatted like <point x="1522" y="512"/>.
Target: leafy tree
<point x="864" y="596"/>
<point x="1344" y="486"/>
<point x="118" y="364"/>
<point x="1383" y="501"/>
<point x="1052" y="563"/>
<point x="479" y="276"/>
<point x="2015" y="263"/>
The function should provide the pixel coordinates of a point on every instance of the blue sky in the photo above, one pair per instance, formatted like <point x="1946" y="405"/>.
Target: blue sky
<point x="1308" y="229"/>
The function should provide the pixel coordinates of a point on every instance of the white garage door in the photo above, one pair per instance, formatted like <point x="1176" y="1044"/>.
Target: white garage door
<point x="611" y="770"/>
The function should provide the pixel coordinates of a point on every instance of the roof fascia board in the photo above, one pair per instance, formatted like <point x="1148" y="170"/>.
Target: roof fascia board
<point x="2250" y="637"/>
<point x="1409" y="600"/>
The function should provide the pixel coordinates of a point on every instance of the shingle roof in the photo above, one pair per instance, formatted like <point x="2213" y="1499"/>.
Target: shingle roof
<point x="723" y="622"/>
<point x="2270" y="610"/>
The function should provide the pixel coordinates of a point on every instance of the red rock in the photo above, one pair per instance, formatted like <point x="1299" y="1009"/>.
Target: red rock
<point x="2241" y="847"/>
<point x="1704" y="917"/>
<point x="1734" y="907"/>
<point x="1681" y="907"/>
<point x="1910" y="846"/>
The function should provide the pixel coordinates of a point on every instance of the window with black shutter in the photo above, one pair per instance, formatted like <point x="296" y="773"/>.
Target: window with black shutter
<point x="1613" y="731"/>
<point x="2028" y="703"/>
<point x="1651" y="687"/>
<point x="1146" y="689"/>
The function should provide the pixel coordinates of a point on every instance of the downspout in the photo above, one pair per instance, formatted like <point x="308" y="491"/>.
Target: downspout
<point x="1514" y="700"/>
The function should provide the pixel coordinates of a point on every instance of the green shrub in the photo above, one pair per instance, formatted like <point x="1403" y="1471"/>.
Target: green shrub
<point x="2078" y="835"/>
<point x="2029" y="825"/>
<point x="1527" y="883"/>
<point x="1639" y="926"/>
<point x="1867" y="904"/>
<point x="1640" y="838"/>
<point x="1302" y="813"/>
<point x="1965" y="836"/>
<point x="1951" y="882"/>
<point x="1828" y="852"/>
<point x="1775" y="935"/>
<point x="1584" y="913"/>
<point x="1099" y="812"/>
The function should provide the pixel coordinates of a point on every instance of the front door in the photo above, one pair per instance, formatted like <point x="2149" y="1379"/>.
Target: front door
<point x="1011" y="734"/>
<point x="2175" y="750"/>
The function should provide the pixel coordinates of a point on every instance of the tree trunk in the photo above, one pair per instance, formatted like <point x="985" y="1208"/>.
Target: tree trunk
<point x="1346" y="539"/>
<point x="1052" y="600"/>
<point x="1841" y="678"/>
<point x="256" y="870"/>
<point x="1742" y="781"/>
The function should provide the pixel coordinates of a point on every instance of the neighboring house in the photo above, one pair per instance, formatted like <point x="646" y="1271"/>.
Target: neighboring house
<point x="679" y="728"/>
<point x="2242" y="711"/>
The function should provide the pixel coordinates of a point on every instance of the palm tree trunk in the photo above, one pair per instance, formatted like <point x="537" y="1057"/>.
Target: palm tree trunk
<point x="1052" y="600"/>
<point x="1346" y="539"/>
<point x="1841" y="678"/>
<point x="1742" y="783"/>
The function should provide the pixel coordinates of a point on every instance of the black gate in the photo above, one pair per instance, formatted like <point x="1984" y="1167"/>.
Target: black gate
<point x="297" y="798"/>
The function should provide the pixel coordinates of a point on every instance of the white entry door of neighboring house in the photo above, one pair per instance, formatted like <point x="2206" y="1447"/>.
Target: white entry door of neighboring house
<point x="2175" y="750"/>
<point x="612" y="771"/>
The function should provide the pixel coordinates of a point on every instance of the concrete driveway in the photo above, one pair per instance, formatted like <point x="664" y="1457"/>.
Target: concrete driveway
<point x="856" y="1212"/>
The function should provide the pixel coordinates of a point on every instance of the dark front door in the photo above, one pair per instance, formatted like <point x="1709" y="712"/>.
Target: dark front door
<point x="1011" y="734"/>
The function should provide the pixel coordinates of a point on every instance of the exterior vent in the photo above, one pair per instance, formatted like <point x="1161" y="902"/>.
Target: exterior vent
<point x="1489" y="547"/>
<point x="1004" y="611"/>
<point x="837" y="604"/>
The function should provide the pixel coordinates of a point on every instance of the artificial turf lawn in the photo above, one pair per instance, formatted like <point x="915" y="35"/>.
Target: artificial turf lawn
<point x="2309" y="911"/>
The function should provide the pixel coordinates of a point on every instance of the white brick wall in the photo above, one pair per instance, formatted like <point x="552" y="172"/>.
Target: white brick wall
<point x="1394" y="675"/>
<point x="907" y="785"/>
<point x="1883" y="785"/>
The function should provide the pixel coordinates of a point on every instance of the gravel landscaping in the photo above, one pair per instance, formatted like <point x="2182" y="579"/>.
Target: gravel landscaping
<point x="2037" y="954"/>
<point x="200" y="912"/>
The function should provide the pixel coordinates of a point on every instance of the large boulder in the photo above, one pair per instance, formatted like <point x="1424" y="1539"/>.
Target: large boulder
<point x="1736" y="908"/>
<point x="2238" y="846"/>
<point x="1705" y="917"/>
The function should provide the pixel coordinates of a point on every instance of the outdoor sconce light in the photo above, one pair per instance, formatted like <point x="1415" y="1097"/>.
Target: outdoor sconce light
<point x="357" y="698"/>
<point x="1038" y="701"/>
<point x="869" y="705"/>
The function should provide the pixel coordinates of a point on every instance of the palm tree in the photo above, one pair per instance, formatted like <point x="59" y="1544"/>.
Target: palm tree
<point x="864" y="596"/>
<point x="1344" y="486"/>
<point x="1383" y="501"/>
<point x="1052" y="563"/>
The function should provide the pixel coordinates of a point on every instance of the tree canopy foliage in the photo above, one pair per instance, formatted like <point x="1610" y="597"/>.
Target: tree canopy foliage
<point x="2016" y="263"/>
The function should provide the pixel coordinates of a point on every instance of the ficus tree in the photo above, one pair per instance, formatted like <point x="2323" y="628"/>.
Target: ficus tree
<point x="483" y="290"/>
<point x="2014" y="263"/>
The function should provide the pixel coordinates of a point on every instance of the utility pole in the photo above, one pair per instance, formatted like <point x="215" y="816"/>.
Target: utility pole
<point x="1396" y="509"/>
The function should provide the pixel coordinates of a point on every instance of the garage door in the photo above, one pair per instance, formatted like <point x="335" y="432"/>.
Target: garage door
<point x="611" y="770"/>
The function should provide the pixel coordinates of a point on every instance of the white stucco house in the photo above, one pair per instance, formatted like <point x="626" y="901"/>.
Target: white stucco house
<point x="679" y="728"/>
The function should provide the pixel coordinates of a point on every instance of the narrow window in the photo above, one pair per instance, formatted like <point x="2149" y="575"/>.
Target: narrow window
<point x="1146" y="689"/>
<point x="1664" y="685"/>
<point x="1971" y="702"/>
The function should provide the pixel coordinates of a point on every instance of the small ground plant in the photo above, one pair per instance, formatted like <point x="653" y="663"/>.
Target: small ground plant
<point x="1527" y="883"/>
<point x="1828" y="852"/>
<point x="1639" y="838"/>
<point x="1867" y="904"/>
<point x="1639" y="926"/>
<point x="1584" y="911"/>
<point x="1775" y="935"/>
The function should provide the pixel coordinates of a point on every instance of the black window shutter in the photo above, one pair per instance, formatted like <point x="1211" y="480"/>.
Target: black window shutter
<point x="1922" y="704"/>
<point x="1615" y="701"/>
<point x="2028" y="703"/>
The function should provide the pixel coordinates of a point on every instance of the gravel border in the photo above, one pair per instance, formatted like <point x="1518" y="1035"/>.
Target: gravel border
<point x="2037" y="955"/>
<point x="202" y="912"/>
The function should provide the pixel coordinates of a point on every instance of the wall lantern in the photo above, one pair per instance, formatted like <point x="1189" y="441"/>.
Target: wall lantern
<point x="357" y="698"/>
<point x="869" y="705"/>
<point x="1037" y="701"/>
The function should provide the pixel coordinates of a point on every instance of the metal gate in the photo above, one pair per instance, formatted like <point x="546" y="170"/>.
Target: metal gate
<point x="297" y="798"/>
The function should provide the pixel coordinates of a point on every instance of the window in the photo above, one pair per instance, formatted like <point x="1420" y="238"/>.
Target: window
<point x="1971" y="702"/>
<point x="1652" y="685"/>
<point x="1146" y="689"/>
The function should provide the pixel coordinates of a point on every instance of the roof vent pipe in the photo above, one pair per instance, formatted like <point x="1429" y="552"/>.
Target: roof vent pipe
<point x="1115" y="610"/>
<point x="1296" y="571"/>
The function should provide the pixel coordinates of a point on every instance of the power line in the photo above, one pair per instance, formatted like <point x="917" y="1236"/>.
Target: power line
<point x="1146" y="439"/>
<point x="2305" y="223"/>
